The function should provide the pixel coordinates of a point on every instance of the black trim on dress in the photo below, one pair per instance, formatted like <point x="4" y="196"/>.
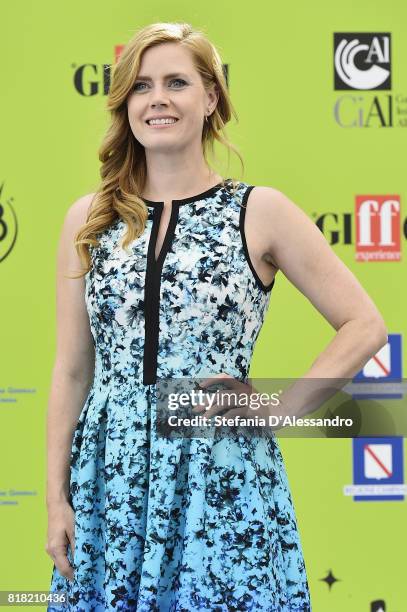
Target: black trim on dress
<point x="265" y="288"/>
<point x="152" y="281"/>
<point x="152" y="291"/>
<point x="200" y="196"/>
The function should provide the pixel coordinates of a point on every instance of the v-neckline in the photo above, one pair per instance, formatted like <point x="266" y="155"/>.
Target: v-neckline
<point x="154" y="271"/>
<point x="171" y="206"/>
<point x="159" y="207"/>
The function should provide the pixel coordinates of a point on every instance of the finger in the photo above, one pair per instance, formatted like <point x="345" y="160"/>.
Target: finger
<point x="64" y="567"/>
<point x="206" y="405"/>
<point x="71" y="538"/>
<point x="207" y="382"/>
<point x="217" y="408"/>
<point x="212" y="411"/>
<point x="225" y="401"/>
<point x="222" y="394"/>
<point x="200" y="407"/>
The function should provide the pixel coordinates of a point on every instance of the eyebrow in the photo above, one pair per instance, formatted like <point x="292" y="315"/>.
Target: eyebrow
<point x="166" y="76"/>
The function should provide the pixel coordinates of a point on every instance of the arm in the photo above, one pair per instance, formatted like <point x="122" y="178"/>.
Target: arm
<point x="304" y="256"/>
<point x="74" y="363"/>
<point x="71" y="379"/>
<point x="301" y="252"/>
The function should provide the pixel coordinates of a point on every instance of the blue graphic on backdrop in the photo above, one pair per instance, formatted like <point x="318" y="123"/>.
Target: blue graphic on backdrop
<point x="384" y="367"/>
<point x="378" y="461"/>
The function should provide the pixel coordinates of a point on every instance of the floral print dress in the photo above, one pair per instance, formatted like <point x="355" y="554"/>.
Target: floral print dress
<point x="188" y="524"/>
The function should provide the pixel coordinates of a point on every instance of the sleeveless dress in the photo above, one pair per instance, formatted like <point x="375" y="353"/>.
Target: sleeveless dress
<point x="186" y="524"/>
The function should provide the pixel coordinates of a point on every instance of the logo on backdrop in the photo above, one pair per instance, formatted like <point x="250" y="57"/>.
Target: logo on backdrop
<point x="384" y="367"/>
<point x="379" y="377"/>
<point x="362" y="60"/>
<point x="378" y="461"/>
<point x="362" y="63"/>
<point x="91" y="79"/>
<point x="8" y="225"/>
<point x="377" y="470"/>
<point x="376" y="227"/>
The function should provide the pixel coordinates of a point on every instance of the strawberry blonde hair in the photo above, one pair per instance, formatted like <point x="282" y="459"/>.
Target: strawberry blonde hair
<point x="123" y="168"/>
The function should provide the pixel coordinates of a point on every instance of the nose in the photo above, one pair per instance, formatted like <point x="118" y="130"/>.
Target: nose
<point x="158" y="96"/>
<point x="156" y="105"/>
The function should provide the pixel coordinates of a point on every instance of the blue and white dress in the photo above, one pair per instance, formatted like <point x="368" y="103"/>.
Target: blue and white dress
<point x="187" y="524"/>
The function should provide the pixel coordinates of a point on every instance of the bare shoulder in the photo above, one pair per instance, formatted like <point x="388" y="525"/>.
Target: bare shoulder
<point x="78" y="211"/>
<point x="271" y="203"/>
<point x="272" y="217"/>
<point x="284" y="220"/>
<point x="75" y="217"/>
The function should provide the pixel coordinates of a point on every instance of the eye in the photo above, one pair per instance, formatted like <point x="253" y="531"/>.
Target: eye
<point x="136" y="85"/>
<point x="180" y="81"/>
<point x="136" y="88"/>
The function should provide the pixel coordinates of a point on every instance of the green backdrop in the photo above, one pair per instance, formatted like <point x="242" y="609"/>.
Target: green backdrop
<point x="281" y="79"/>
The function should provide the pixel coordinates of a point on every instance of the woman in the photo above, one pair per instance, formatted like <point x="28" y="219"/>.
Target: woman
<point x="184" y="524"/>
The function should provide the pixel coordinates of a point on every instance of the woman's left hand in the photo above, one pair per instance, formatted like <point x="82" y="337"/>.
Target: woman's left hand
<point x="244" y="407"/>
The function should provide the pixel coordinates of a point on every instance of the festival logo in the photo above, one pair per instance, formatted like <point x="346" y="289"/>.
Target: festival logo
<point x="362" y="60"/>
<point x="377" y="228"/>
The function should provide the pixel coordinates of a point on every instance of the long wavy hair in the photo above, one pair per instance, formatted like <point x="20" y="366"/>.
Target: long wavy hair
<point x="123" y="163"/>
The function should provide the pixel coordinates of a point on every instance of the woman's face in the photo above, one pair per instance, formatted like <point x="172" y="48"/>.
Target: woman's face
<point x="168" y="85"/>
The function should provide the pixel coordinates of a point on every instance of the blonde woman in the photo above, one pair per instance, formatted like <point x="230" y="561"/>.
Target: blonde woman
<point x="178" y="265"/>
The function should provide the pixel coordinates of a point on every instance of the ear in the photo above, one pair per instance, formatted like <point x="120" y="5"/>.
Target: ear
<point x="213" y="97"/>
